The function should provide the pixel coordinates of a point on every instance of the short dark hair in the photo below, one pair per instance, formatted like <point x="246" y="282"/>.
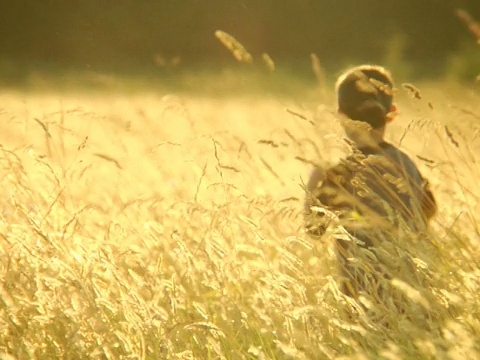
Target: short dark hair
<point x="365" y="93"/>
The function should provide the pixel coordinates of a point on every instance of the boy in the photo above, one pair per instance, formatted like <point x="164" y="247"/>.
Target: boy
<point x="377" y="190"/>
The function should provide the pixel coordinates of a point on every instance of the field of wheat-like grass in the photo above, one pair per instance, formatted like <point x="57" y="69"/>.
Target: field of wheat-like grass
<point x="161" y="226"/>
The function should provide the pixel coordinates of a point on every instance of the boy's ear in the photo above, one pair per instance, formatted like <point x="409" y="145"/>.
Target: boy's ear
<point x="391" y="115"/>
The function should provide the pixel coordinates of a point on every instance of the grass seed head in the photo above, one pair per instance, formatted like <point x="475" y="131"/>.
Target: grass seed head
<point x="236" y="48"/>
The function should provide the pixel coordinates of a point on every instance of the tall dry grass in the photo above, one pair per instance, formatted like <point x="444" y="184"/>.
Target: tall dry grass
<point x="170" y="227"/>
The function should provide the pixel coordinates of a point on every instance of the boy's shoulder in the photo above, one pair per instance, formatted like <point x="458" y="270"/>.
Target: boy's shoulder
<point x="393" y="151"/>
<point x="399" y="157"/>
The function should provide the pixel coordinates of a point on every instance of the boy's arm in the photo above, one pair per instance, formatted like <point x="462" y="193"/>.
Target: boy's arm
<point x="324" y="188"/>
<point x="317" y="176"/>
<point x="315" y="223"/>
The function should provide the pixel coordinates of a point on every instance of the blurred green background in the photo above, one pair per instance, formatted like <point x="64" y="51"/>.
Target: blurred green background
<point x="158" y="40"/>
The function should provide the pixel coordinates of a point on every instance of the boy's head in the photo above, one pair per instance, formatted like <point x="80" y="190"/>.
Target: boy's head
<point x="365" y="93"/>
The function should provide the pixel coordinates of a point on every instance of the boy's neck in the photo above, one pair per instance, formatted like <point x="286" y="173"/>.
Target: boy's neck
<point x="366" y="137"/>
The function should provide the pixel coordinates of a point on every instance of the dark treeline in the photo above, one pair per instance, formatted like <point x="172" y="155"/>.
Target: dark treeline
<point x="136" y="33"/>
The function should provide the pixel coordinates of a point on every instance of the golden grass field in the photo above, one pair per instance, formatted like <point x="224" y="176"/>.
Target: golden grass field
<point x="152" y="225"/>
